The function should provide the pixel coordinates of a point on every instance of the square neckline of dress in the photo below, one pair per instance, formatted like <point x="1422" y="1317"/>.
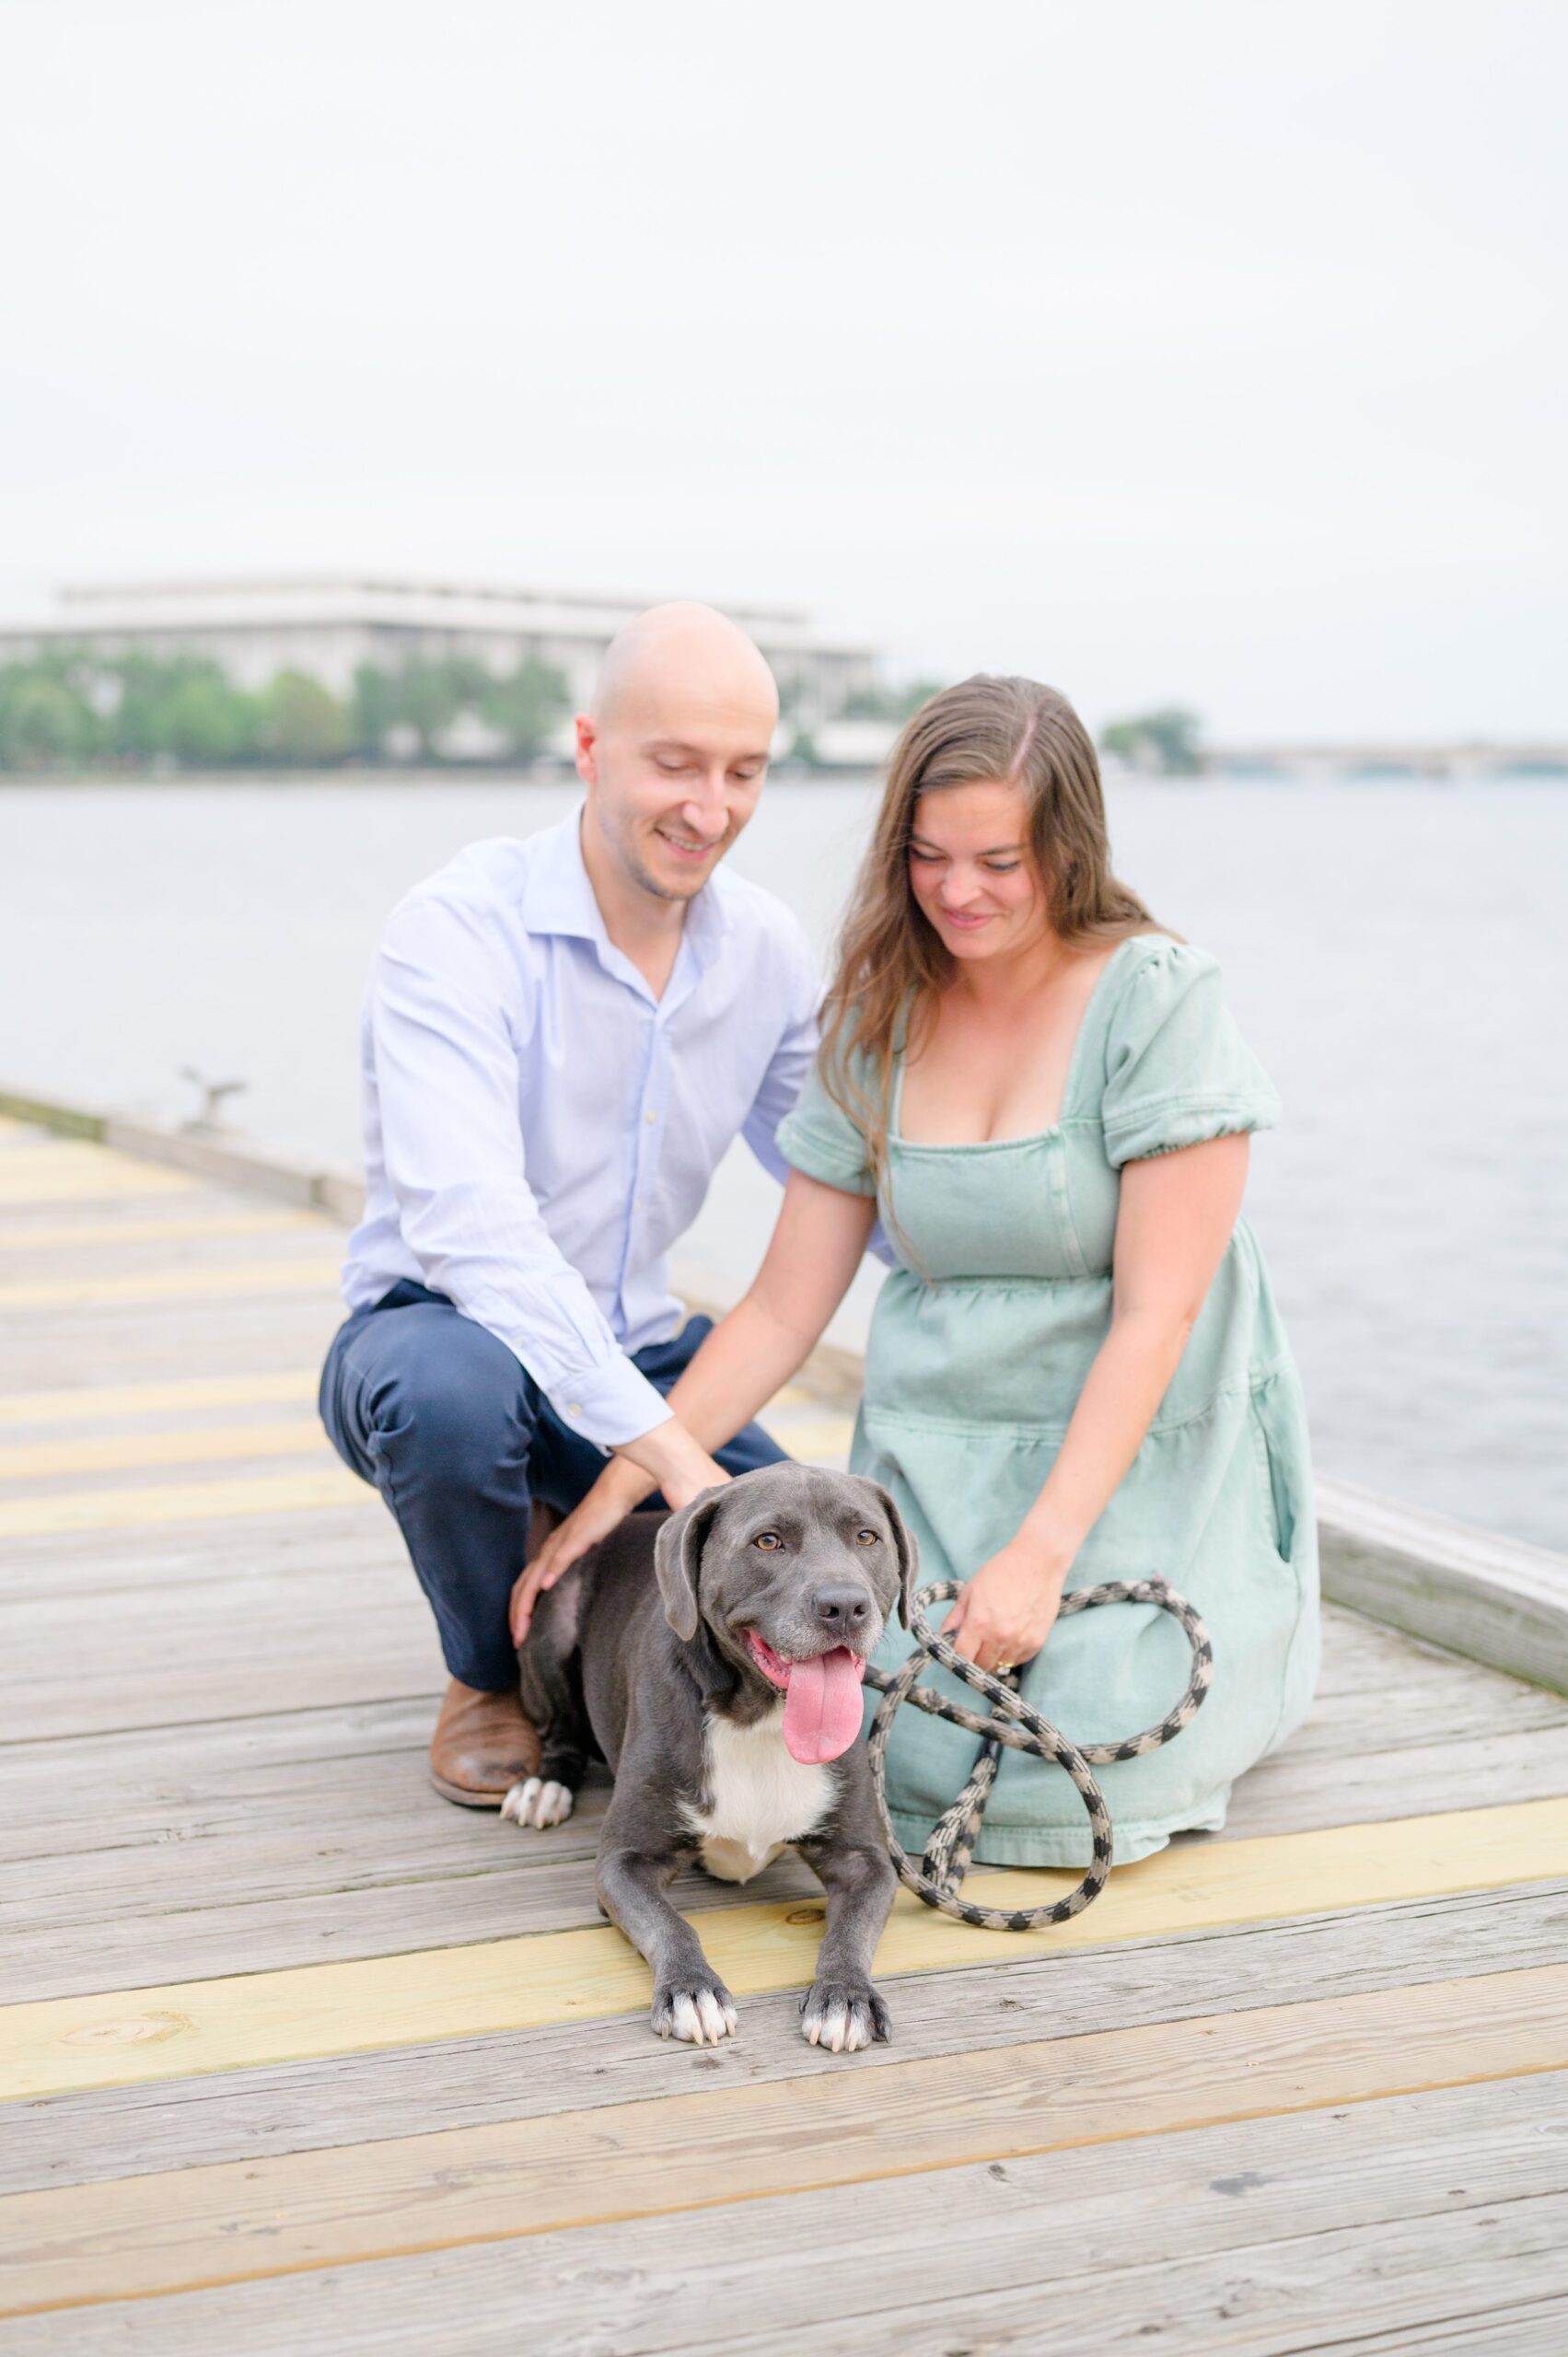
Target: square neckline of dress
<point x="1029" y="1137"/>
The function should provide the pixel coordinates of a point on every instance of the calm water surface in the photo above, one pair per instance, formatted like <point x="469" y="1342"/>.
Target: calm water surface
<point x="1396" y="953"/>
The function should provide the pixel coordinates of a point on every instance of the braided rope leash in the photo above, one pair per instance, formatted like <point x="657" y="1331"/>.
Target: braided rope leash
<point x="1020" y="1727"/>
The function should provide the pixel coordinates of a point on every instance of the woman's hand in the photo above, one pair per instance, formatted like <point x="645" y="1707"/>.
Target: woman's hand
<point x="1008" y="1610"/>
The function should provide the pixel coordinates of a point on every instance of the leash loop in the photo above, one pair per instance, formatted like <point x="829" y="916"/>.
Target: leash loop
<point x="1019" y="1727"/>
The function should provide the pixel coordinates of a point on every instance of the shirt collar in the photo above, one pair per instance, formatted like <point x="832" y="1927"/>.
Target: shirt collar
<point x="558" y="897"/>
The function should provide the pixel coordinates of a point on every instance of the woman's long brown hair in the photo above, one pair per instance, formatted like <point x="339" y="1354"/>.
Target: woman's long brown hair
<point x="892" y="965"/>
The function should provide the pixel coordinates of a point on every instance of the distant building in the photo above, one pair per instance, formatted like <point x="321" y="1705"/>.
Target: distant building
<point x="329" y="627"/>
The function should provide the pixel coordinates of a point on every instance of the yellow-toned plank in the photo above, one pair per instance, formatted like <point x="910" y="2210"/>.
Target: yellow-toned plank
<point x="43" y="1153"/>
<point x="22" y="1181"/>
<point x="333" y="1485"/>
<point x="83" y="1404"/>
<point x="820" y="1437"/>
<point x="121" y="1452"/>
<point x="233" y="2221"/>
<point x="24" y="1237"/>
<point x="120" y="2039"/>
<point x="169" y="1284"/>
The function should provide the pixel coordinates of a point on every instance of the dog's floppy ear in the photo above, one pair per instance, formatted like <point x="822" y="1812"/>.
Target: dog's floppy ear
<point x="677" y="1552"/>
<point x="907" y="1545"/>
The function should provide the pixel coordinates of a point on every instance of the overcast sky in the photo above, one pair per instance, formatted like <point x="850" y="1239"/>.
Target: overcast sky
<point x="1209" y="350"/>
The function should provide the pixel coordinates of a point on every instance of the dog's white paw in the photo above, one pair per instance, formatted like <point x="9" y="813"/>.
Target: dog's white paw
<point x="701" y="2017"/>
<point x="535" y="1803"/>
<point x="843" y="2016"/>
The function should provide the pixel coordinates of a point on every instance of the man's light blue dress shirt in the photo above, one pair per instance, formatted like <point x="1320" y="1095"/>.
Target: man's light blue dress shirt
<point x="539" y="1129"/>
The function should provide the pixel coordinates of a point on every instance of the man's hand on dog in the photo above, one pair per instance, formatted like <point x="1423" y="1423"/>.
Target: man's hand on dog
<point x="619" y="1491"/>
<point x="620" y="1488"/>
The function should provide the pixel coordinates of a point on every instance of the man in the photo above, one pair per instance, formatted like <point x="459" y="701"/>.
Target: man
<point x="560" y="1037"/>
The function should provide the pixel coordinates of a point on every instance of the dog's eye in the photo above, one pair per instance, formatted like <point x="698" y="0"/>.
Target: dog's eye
<point x="868" y="1538"/>
<point x="768" y="1538"/>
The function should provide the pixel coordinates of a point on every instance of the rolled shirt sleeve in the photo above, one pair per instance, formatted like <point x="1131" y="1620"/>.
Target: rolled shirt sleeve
<point x="444" y="1024"/>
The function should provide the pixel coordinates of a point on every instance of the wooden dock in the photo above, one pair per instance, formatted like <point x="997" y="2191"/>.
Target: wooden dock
<point x="294" y="2057"/>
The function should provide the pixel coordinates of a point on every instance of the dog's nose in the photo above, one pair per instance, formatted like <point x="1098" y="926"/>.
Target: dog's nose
<point x="843" y="1608"/>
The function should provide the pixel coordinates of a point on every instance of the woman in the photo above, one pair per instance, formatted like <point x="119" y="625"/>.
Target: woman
<point x="1077" y="1372"/>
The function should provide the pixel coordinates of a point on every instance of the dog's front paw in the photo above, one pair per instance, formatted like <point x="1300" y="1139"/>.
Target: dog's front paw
<point x="701" y="2012"/>
<point x="537" y="1802"/>
<point x="843" y="2016"/>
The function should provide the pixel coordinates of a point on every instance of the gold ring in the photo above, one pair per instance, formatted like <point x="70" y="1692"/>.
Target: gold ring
<point x="1006" y="1668"/>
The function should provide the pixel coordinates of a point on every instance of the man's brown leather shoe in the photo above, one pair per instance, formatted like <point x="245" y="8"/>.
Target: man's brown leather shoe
<point x="482" y="1747"/>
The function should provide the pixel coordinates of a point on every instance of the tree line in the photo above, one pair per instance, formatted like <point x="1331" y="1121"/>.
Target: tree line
<point x="72" y="709"/>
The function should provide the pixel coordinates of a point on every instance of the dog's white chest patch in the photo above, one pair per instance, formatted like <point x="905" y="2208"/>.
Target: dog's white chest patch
<point x="760" y="1799"/>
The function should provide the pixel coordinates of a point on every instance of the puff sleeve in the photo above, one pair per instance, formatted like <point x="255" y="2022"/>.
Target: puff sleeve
<point x="820" y="1138"/>
<point x="1177" y="1070"/>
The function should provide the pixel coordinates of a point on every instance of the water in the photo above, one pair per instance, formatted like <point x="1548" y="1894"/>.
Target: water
<point x="1396" y="953"/>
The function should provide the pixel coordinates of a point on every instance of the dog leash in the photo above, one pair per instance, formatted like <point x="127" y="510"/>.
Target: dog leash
<point x="1020" y="1727"/>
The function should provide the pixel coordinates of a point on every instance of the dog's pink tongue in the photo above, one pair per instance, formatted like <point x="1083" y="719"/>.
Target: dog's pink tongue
<point x="822" y="1706"/>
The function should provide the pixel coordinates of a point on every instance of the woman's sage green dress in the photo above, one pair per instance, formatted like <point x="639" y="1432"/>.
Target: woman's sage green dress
<point x="980" y="1344"/>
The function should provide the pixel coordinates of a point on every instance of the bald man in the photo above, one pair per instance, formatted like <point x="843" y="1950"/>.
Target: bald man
<point x="560" y="1037"/>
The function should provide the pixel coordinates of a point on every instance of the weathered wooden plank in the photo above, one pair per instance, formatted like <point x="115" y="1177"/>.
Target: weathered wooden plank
<point x="120" y="2038"/>
<point x="101" y="1563"/>
<point x="23" y="1237"/>
<point x="86" y="1402"/>
<point x="1295" y="1792"/>
<point x="1493" y="1598"/>
<point x="356" y="2098"/>
<point x="508" y="1896"/>
<point x="1429" y="1698"/>
<point x="1366" y="1655"/>
<point x="1319" y="2291"/>
<point x="191" y="1315"/>
<point x="58" y="1173"/>
<point x="230" y="1648"/>
<point x="371" y="1876"/>
<point x="181" y="1855"/>
<point x="120" y="1509"/>
<point x="139" y="2237"/>
<point x="187" y="1841"/>
<point x="119" y="1343"/>
<point x="150" y="1784"/>
<point x="1397" y="1760"/>
<point x="119" y="1452"/>
<point x="1100" y="2241"/>
<point x="215" y="1278"/>
<point x="192" y="1211"/>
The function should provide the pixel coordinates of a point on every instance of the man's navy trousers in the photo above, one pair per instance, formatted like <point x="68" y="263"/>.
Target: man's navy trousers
<point x="459" y="1440"/>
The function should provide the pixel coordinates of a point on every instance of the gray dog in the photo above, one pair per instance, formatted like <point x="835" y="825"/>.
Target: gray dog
<point x="714" y="1658"/>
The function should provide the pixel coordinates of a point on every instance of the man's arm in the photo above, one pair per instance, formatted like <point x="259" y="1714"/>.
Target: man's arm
<point x="815" y="1251"/>
<point x="788" y="1066"/>
<point x="783" y="1082"/>
<point x="444" y="1023"/>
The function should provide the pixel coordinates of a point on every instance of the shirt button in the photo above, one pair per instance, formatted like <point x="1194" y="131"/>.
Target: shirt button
<point x="573" y="1407"/>
<point x="650" y="1118"/>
